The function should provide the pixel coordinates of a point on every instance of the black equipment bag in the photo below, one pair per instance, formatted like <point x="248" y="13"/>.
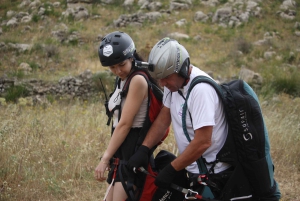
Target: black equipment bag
<point x="247" y="146"/>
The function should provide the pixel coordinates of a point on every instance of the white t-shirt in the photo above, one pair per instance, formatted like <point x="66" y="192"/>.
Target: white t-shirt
<point x="116" y="99"/>
<point x="206" y="109"/>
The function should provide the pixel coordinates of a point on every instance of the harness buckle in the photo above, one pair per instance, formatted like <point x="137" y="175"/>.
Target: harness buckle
<point x="191" y="195"/>
<point x="202" y="178"/>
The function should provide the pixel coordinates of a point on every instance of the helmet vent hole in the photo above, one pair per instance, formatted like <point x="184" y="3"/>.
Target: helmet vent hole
<point x="118" y="36"/>
<point x="115" y="43"/>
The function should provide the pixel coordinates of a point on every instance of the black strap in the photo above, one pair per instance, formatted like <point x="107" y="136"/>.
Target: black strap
<point x="133" y="192"/>
<point x="117" y="107"/>
<point x="129" y="184"/>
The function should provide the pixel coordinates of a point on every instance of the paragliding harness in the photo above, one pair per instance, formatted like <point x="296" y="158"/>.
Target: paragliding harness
<point x="146" y="189"/>
<point x="246" y="147"/>
<point x="188" y="193"/>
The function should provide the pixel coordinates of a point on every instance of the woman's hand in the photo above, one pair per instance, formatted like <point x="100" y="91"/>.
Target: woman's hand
<point x="100" y="170"/>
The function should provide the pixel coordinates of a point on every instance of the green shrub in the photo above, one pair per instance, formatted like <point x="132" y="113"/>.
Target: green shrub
<point x="49" y="10"/>
<point x="50" y="41"/>
<point x="15" y="92"/>
<point x="94" y="2"/>
<point x="226" y="33"/>
<point x="288" y="84"/>
<point x="223" y="1"/>
<point x="17" y="74"/>
<point x="50" y="98"/>
<point x="51" y="51"/>
<point x="289" y="56"/>
<point x="73" y="42"/>
<point x="282" y="80"/>
<point x="36" y="48"/>
<point x="70" y="19"/>
<point x="36" y="18"/>
<point x="243" y="45"/>
<point x="34" y="66"/>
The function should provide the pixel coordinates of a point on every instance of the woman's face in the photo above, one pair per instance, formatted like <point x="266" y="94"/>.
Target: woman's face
<point x="122" y="69"/>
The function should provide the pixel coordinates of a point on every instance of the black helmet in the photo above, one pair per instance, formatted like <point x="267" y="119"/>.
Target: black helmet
<point x="115" y="48"/>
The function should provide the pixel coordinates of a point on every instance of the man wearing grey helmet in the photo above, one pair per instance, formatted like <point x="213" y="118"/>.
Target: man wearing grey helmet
<point x="208" y="128"/>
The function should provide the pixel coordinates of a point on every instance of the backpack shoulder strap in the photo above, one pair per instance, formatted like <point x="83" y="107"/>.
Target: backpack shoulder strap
<point x="125" y="89"/>
<point x="196" y="80"/>
<point x="118" y="107"/>
<point x="207" y="80"/>
<point x="127" y="83"/>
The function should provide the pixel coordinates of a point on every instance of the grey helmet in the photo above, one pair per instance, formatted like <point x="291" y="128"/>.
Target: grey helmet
<point x="168" y="57"/>
<point x="115" y="47"/>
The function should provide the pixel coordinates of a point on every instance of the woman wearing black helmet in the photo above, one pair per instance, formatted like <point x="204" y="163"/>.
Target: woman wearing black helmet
<point x="117" y="51"/>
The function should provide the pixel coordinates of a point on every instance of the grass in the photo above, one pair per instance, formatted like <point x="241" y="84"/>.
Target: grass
<point x="282" y="118"/>
<point x="49" y="153"/>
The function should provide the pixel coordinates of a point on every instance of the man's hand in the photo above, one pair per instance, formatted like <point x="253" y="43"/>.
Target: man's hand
<point x="139" y="158"/>
<point x="165" y="177"/>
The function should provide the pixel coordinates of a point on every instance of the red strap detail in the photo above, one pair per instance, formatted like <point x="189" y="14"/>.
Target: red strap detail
<point x="199" y="197"/>
<point x="135" y="72"/>
<point x="116" y="163"/>
<point x="149" y="186"/>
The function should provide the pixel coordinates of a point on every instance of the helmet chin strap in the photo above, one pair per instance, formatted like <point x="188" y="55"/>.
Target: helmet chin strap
<point x="187" y="78"/>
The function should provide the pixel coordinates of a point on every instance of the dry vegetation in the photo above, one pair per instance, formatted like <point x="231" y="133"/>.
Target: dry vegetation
<point x="49" y="152"/>
<point x="283" y="122"/>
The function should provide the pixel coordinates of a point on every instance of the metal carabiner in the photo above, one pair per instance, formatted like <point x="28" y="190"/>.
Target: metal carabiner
<point x="191" y="195"/>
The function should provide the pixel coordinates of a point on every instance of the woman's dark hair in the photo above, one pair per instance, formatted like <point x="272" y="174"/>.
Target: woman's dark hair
<point x="138" y="57"/>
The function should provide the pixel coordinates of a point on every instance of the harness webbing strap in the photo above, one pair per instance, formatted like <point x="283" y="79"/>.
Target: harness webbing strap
<point x="117" y="107"/>
<point x="127" y="185"/>
<point x="108" y="189"/>
<point x="116" y="163"/>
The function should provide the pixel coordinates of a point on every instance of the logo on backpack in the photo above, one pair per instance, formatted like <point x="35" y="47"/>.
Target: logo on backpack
<point x="166" y="196"/>
<point x="244" y="124"/>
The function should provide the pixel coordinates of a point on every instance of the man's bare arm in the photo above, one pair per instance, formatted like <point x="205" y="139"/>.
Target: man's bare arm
<point x="158" y="128"/>
<point x="200" y="143"/>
